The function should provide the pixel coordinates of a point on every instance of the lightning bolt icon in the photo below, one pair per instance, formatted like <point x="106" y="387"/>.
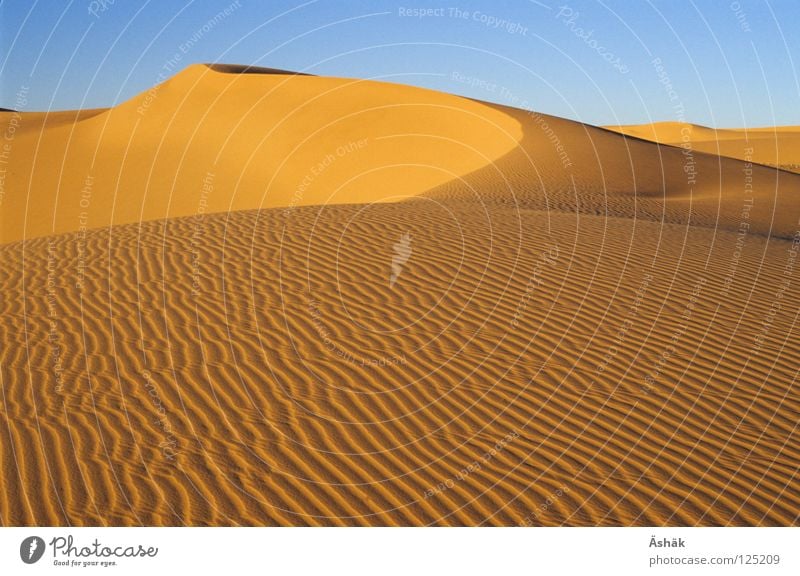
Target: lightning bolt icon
<point x="34" y="546"/>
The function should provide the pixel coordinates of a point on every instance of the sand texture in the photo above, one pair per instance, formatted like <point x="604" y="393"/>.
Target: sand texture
<point x="275" y="299"/>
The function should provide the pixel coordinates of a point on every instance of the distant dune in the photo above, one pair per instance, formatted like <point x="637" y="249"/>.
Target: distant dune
<point x="777" y="146"/>
<point x="278" y="299"/>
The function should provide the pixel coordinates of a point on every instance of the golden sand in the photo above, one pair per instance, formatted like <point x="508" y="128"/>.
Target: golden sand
<point x="479" y="316"/>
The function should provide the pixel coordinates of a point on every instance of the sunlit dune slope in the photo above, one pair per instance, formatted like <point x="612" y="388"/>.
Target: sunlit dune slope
<point x="259" y="368"/>
<point x="777" y="146"/>
<point x="213" y="140"/>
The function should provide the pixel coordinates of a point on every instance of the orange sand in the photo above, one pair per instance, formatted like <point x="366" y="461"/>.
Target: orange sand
<point x="585" y="329"/>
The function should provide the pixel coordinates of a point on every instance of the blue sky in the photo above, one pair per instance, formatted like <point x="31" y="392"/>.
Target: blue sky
<point x="717" y="63"/>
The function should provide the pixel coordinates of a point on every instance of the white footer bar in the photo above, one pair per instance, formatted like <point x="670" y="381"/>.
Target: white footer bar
<point x="400" y="551"/>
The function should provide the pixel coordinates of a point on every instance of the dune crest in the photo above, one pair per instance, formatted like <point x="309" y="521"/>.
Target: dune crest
<point x="213" y="141"/>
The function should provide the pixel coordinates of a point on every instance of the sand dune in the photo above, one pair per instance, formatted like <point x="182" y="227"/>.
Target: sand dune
<point x="777" y="146"/>
<point x="485" y="316"/>
<point x="213" y="140"/>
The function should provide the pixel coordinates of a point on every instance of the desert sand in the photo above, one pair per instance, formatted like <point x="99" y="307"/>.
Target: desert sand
<point x="250" y="297"/>
<point x="777" y="146"/>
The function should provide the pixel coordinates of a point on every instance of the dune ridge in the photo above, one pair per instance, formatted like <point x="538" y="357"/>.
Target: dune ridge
<point x="271" y="139"/>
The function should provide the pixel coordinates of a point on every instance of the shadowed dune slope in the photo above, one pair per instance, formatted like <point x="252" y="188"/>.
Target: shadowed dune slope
<point x="565" y="166"/>
<point x="244" y="69"/>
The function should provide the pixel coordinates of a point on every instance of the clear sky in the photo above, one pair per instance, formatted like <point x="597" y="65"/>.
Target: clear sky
<point x="717" y="63"/>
